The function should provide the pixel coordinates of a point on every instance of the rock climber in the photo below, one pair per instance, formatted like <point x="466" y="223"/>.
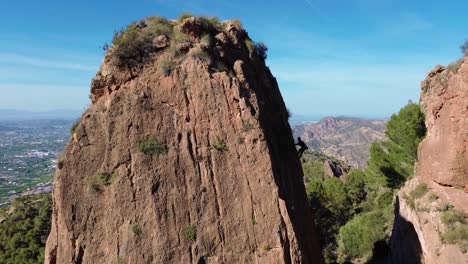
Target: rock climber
<point x="303" y="147"/>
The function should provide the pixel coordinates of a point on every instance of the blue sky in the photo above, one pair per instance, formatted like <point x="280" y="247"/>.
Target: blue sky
<point x="354" y="57"/>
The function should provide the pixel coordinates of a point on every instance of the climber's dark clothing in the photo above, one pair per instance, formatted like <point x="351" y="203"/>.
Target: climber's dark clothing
<point x="303" y="147"/>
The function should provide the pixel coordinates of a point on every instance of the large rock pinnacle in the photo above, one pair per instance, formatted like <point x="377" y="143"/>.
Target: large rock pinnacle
<point x="184" y="156"/>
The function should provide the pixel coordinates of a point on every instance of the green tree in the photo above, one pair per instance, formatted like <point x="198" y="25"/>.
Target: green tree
<point x="358" y="236"/>
<point x="407" y="129"/>
<point x="25" y="228"/>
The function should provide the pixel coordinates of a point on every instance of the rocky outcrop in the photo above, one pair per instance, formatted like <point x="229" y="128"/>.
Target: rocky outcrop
<point x="418" y="230"/>
<point x="192" y="163"/>
<point x="443" y="154"/>
<point x="443" y="167"/>
<point x="334" y="169"/>
<point x="344" y="138"/>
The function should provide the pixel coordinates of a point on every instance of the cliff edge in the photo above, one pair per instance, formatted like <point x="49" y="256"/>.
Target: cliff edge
<point x="431" y="215"/>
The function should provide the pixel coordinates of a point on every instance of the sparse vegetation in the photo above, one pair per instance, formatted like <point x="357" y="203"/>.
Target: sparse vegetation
<point x="156" y="26"/>
<point x="198" y="53"/>
<point x="151" y="146"/>
<point x="261" y="50"/>
<point x="219" y="144"/>
<point x="455" y="66"/>
<point x="74" y="126"/>
<point x="180" y="42"/>
<point x="106" y="178"/>
<point x="446" y="207"/>
<point x="167" y="66"/>
<point x="183" y="16"/>
<point x="120" y="260"/>
<point x="206" y="40"/>
<point x="250" y="46"/>
<point x="190" y="233"/>
<point x="419" y="191"/>
<point x="246" y="126"/>
<point x="101" y="180"/>
<point x="132" y="45"/>
<point x="456" y="228"/>
<point x="432" y="197"/>
<point x="237" y="23"/>
<point x="464" y="47"/>
<point x="415" y="194"/>
<point x="136" y="230"/>
<point x="266" y="248"/>
<point x="210" y="23"/>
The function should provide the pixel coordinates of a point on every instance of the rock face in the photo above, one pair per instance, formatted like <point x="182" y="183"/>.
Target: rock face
<point x="443" y="154"/>
<point x="334" y="169"/>
<point x="443" y="167"/>
<point x="418" y="228"/>
<point x="344" y="138"/>
<point x="225" y="185"/>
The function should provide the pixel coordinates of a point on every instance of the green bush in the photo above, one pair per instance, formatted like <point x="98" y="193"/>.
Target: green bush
<point x="157" y="26"/>
<point x="456" y="228"/>
<point x="200" y="54"/>
<point x="451" y="217"/>
<point x="355" y="183"/>
<point x="180" y="42"/>
<point x="131" y="45"/>
<point x="237" y="23"/>
<point x="219" y="145"/>
<point x="190" y="233"/>
<point x="464" y="47"/>
<point x="407" y="128"/>
<point x="151" y="146"/>
<point x="419" y="191"/>
<point x="184" y="16"/>
<point x="167" y="66"/>
<point x="455" y="66"/>
<point x="358" y="236"/>
<point x="210" y="23"/>
<point x="136" y="230"/>
<point x="206" y="40"/>
<point x="261" y="50"/>
<point x="25" y="228"/>
<point x="74" y="126"/>
<point x="127" y="46"/>
<point x="432" y="197"/>
<point x="106" y="178"/>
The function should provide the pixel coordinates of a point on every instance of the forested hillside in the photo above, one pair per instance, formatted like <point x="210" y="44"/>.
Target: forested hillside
<point x="24" y="227"/>
<point x="354" y="214"/>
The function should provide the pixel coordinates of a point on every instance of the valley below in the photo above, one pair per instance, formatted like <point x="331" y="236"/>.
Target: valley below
<point x="29" y="150"/>
<point x="345" y="138"/>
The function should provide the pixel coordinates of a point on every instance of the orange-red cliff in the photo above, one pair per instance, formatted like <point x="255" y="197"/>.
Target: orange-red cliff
<point x="184" y="157"/>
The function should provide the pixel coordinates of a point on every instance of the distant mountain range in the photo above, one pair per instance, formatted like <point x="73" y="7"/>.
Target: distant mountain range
<point x="10" y="114"/>
<point x="345" y="138"/>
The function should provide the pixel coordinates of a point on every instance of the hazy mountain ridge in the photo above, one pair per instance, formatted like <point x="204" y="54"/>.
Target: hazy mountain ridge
<point x="346" y="138"/>
<point x="12" y="114"/>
